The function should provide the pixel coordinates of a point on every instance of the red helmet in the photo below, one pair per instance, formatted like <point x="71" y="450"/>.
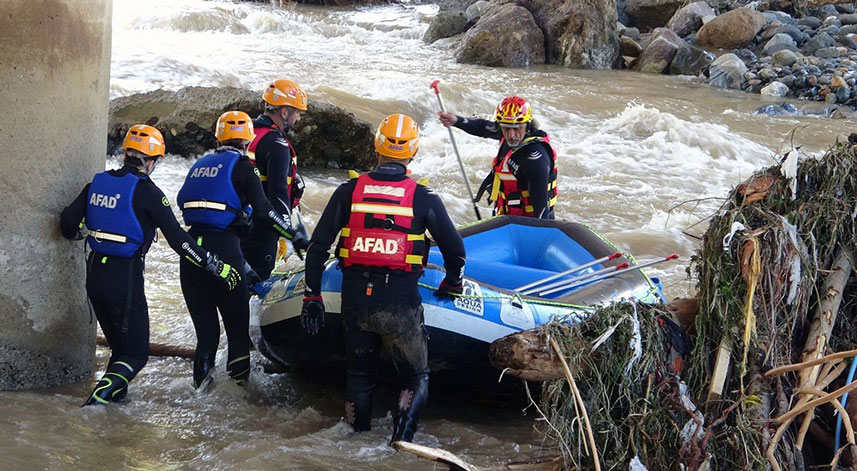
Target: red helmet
<point x="513" y="110"/>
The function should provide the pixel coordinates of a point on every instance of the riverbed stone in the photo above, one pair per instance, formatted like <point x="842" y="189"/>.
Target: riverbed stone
<point x="506" y="36"/>
<point x="848" y="29"/>
<point x="445" y="24"/>
<point x="731" y="30"/>
<point x="476" y="10"/>
<point x="827" y="52"/>
<point x="727" y="71"/>
<point x="848" y="19"/>
<point x="629" y="47"/>
<point x="781" y="16"/>
<point x="775" y="89"/>
<point x="690" y="60"/>
<point x="688" y="18"/>
<point x="321" y="127"/>
<point x="656" y="58"/>
<point x="650" y="14"/>
<point x="810" y="21"/>
<point x="779" y="42"/>
<point x="817" y="42"/>
<point x="793" y="31"/>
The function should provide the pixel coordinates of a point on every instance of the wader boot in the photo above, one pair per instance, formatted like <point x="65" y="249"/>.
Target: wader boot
<point x="203" y="368"/>
<point x="358" y="402"/>
<point x="111" y="388"/>
<point x="411" y="404"/>
<point x="239" y="370"/>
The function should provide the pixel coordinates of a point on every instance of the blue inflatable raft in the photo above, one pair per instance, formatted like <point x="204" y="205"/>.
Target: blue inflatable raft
<point x="503" y="253"/>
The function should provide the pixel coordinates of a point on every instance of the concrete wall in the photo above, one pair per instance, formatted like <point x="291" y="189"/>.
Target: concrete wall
<point x="54" y="78"/>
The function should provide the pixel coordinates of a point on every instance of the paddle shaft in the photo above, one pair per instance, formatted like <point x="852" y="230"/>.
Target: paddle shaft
<point x="434" y="85"/>
<point x="608" y="275"/>
<point x="576" y="278"/>
<point x="569" y="271"/>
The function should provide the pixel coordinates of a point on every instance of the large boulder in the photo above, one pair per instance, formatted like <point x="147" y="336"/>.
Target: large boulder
<point x="325" y="136"/>
<point x="656" y="57"/>
<point x="688" y="19"/>
<point x="444" y="25"/>
<point x="650" y="14"/>
<point x="819" y="41"/>
<point x="505" y="36"/>
<point x="727" y="71"/>
<point x="578" y="33"/>
<point x="779" y="42"/>
<point x="690" y="60"/>
<point x="731" y="30"/>
<point x="475" y="11"/>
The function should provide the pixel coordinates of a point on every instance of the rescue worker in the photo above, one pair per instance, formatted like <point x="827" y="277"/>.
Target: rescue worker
<point x="275" y="157"/>
<point x="218" y="188"/>
<point x="523" y="178"/>
<point x="121" y="209"/>
<point x="381" y="219"/>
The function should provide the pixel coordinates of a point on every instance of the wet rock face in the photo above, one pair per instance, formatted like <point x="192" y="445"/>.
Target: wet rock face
<point x="505" y="36"/>
<point x="326" y="135"/>
<point x="649" y="14"/>
<point x="578" y="33"/>
<point x="445" y="24"/>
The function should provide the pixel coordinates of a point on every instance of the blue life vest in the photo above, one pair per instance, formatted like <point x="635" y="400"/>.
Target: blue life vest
<point x="208" y="197"/>
<point x="113" y="226"/>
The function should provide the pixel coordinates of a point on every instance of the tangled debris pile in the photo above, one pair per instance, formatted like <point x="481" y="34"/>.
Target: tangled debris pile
<point x="772" y="292"/>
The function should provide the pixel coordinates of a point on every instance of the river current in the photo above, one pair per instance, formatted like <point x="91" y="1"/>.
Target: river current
<point x="644" y="159"/>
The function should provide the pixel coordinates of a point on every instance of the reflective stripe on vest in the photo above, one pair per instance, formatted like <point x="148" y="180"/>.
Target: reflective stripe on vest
<point x="506" y="191"/>
<point x="110" y="218"/>
<point x="263" y="172"/>
<point x="208" y="197"/>
<point x="378" y="232"/>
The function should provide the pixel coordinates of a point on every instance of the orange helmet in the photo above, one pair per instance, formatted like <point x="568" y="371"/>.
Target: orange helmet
<point x="397" y="137"/>
<point x="146" y="139"/>
<point x="234" y="125"/>
<point x="282" y="92"/>
<point x="513" y="110"/>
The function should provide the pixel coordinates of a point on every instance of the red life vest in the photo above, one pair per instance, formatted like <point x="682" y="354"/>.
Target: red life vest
<point x="379" y="232"/>
<point x="508" y="193"/>
<point x="295" y="189"/>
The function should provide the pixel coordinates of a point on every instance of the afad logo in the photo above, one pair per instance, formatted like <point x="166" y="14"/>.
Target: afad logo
<point x="210" y="172"/>
<point x="104" y="201"/>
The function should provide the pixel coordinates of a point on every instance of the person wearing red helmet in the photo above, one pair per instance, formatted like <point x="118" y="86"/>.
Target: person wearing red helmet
<point x="523" y="178"/>
<point x="381" y="219"/>
<point x="275" y="157"/>
<point x="121" y="209"/>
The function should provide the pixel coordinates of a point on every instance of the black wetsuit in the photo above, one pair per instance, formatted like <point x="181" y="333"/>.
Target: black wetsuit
<point x="274" y="161"/>
<point x="204" y="295"/>
<point x="531" y="163"/>
<point x="392" y="315"/>
<point x="115" y="284"/>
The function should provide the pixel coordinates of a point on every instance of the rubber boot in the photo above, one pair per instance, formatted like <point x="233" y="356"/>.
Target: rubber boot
<point x="203" y="368"/>
<point x="358" y="403"/>
<point x="411" y="404"/>
<point x="239" y="370"/>
<point x="111" y="388"/>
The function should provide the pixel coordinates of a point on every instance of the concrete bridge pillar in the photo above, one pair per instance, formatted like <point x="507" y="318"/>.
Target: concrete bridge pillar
<point x="54" y="80"/>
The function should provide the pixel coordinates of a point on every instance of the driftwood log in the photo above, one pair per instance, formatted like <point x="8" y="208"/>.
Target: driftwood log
<point x="159" y="349"/>
<point x="454" y="463"/>
<point x="527" y="354"/>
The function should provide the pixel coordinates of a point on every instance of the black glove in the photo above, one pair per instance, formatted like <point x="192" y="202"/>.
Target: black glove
<point x="486" y="185"/>
<point x="252" y="277"/>
<point x="312" y="314"/>
<point x="226" y="272"/>
<point x="448" y="290"/>
<point x="300" y="243"/>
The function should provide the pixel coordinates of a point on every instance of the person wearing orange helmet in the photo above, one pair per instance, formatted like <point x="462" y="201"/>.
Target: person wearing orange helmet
<point x="220" y="191"/>
<point x="275" y="157"/>
<point x="381" y="219"/>
<point x="121" y="209"/>
<point x="523" y="178"/>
